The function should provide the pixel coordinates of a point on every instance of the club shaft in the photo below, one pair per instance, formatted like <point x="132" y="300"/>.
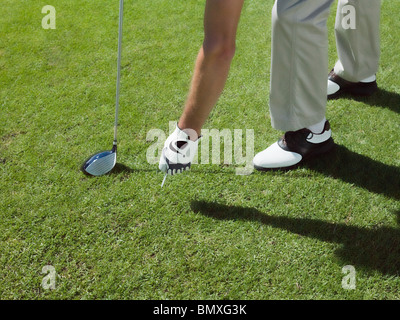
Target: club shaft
<point x="121" y="17"/>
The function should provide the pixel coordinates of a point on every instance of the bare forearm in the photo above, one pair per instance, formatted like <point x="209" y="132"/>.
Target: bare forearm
<point x="208" y="82"/>
<point x="213" y="61"/>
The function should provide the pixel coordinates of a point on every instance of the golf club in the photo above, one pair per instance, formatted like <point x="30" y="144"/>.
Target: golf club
<point x="103" y="162"/>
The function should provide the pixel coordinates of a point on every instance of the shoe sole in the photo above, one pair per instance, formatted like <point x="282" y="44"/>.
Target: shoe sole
<point x="325" y="147"/>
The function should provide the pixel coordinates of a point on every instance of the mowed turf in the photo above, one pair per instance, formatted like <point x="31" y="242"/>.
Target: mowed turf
<point x="208" y="233"/>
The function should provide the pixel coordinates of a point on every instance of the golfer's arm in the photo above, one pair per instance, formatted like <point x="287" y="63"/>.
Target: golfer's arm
<point x="213" y="62"/>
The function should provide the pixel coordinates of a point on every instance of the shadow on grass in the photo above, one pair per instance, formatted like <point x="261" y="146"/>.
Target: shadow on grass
<point x="373" y="249"/>
<point x="381" y="98"/>
<point x="121" y="168"/>
<point x="359" y="170"/>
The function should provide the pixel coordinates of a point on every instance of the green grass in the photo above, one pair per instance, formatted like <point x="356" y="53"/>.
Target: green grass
<point x="209" y="233"/>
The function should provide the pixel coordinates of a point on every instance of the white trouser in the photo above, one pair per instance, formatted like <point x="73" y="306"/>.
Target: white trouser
<point x="359" y="48"/>
<point x="299" y="65"/>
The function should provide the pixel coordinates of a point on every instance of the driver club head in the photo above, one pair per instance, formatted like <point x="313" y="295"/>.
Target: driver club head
<point x="100" y="163"/>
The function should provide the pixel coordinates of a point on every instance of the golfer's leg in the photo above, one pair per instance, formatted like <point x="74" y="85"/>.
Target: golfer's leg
<point x="358" y="42"/>
<point x="299" y="63"/>
<point x="213" y="62"/>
